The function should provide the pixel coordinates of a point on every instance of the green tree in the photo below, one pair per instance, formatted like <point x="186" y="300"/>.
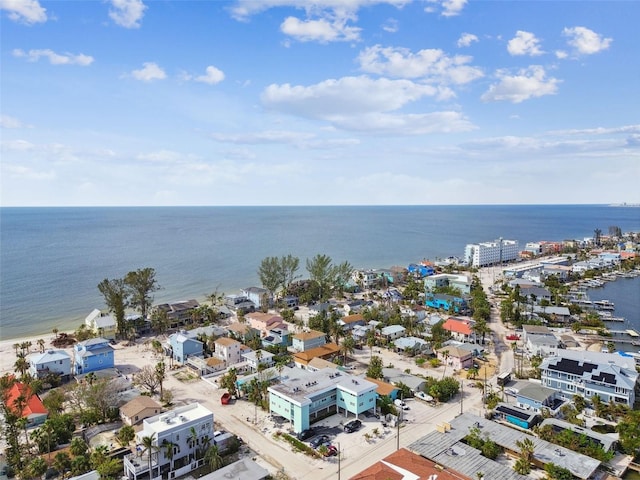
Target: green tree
<point x="21" y="365"/>
<point x="290" y="267"/>
<point x="126" y="434"/>
<point x="375" y="368"/>
<point x="347" y="347"/>
<point x="141" y="284"/>
<point x="320" y="271"/>
<point x="213" y="458"/>
<point x="36" y="468"/>
<point x="78" y="447"/>
<point x="80" y="465"/>
<point x="161" y="373"/>
<point x="62" y="462"/>
<point x="629" y="432"/>
<point x="271" y="274"/>
<point x="169" y="450"/>
<point x="555" y="472"/>
<point x="527" y="448"/>
<point x="150" y="448"/>
<point x="229" y="381"/>
<point x="110" y="468"/>
<point x="115" y="293"/>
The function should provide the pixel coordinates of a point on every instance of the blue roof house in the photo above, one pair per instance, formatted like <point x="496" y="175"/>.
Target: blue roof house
<point x="91" y="355"/>
<point x="184" y="345"/>
<point x="445" y="302"/>
<point x="57" y="362"/>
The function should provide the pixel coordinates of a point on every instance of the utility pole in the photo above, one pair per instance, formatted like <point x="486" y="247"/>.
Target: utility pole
<point x="339" y="455"/>
<point x="461" y="394"/>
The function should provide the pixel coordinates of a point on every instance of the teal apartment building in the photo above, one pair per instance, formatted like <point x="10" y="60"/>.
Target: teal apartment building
<point x="304" y="396"/>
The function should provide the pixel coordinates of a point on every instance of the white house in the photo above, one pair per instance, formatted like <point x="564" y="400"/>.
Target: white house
<point x="230" y="351"/>
<point x="101" y="324"/>
<point x="179" y="437"/>
<point x="391" y="332"/>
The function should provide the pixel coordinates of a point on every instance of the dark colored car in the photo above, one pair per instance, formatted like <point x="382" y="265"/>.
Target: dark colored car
<point x="331" y="451"/>
<point x="352" y="426"/>
<point x="303" y="435"/>
<point x="319" y="440"/>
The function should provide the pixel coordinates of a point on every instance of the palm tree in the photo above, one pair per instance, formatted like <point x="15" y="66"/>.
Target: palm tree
<point x="55" y="332"/>
<point x="16" y="346"/>
<point x="213" y="458"/>
<point x="149" y="447"/>
<point x="527" y="448"/>
<point x="192" y="441"/>
<point x="169" y="451"/>
<point x="41" y="345"/>
<point x="21" y="365"/>
<point x="371" y="342"/>
<point x="347" y="347"/>
<point x="445" y="354"/>
<point x="160" y="373"/>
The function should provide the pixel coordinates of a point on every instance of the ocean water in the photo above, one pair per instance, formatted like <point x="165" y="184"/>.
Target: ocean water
<point x="52" y="259"/>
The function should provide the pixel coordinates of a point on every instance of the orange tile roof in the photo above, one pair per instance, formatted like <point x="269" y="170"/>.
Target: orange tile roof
<point x="309" y="335"/>
<point x="356" y="317"/>
<point x="33" y="406"/>
<point x="325" y="350"/>
<point x="384" y="388"/>
<point x="392" y="467"/>
<point x="458" y="326"/>
<point x="226" y="341"/>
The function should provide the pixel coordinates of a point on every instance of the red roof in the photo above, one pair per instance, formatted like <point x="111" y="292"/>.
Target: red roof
<point x="458" y="326"/>
<point x="393" y="466"/>
<point x="33" y="406"/>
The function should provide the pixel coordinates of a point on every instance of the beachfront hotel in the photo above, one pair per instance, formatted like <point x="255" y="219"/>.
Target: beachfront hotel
<point x="305" y="396"/>
<point x="180" y="438"/>
<point x="491" y="253"/>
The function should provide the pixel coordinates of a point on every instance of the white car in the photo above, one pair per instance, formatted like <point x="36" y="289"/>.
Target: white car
<point x="400" y="404"/>
<point x="424" y="396"/>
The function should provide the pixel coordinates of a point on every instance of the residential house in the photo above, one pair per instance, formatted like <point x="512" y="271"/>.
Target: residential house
<point x="260" y="297"/>
<point x="536" y="398"/>
<point x="412" y="345"/>
<point x="461" y="282"/>
<point x="258" y="359"/>
<point x="318" y="363"/>
<point x="455" y="357"/>
<point x="350" y="321"/>
<point x="263" y="322"/>
<point x="241" y="331"/>
<point x="57" y="362"/>
<point x="518" y="416"/>
<point x="392" y="295"/>
<point x="326" y="352"/>
<point x="136" y="410"/>
<point x="536" y="294"/>
<point x="560" y="271"/>
<point x="178" y="313"/>
<point x="404" y="465"/>
<point x="101" y="324"/>
<point x="607" y="442"/>
<point x="612" y="377"/>
<point x="445" y="447"/>
<point x="460" y="329"/>
<point x="91" y="355"/>
<point x="397" y="377"/>
<point x="319" y="308"/>
<point x="239" y="303"/>
<point x="179" y="438"/>
<point x="183" y="345"/>
<point x="535" y="330"/>
<point x="305" y="397"/>
<point x="243" y="468"/>
<point x="445" y="302"/>
<point x="276" y="337"/>
<point x="392" y="332"/>
<point x="23" y="402"/>
<point x="556" y="314"/>
<point x="230" y="351"/>
<point x="308" y="340"/>
<point x="542" y="345"/>
<point x="385" y="389"/>
<point x="356" y="306"/>
<point x="290" y="301"/>
<point x="360" y="333"/>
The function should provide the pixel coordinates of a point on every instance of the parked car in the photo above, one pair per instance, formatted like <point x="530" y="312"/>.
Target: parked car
<point x="331" y="451"/>
<point x="400" y="404"/>
<point x="319" y="440"/>
<point x="308" y="433"/>
<point x="352" y="426"/>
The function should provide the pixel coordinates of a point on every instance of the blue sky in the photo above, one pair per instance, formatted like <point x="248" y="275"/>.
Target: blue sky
<point x="327" y="102"/>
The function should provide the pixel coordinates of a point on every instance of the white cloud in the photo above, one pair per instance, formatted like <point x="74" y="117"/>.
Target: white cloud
<point x="524" y="43"/>
<point x="10" y="122"/>
<point x="150" y="71"/>
<point x="466" y="39"/>
<point x="344" y="96"/>
<point x="246" y="8"/>
<point x="585" y="41"/>
<point x="561" y="54"/>
<point x="265" y="137"/>
<point x="625" y="129"/>
<point x="322" y="30"/>
<point x="212" y="76"/>
<point x="54" y="58"/>
<point x="528" y="83"/>
<point x="391" y="25"/>
<point x="404" y="124"/>
<point x="24" y="11"/>
<point x="17" y="145"/>
<point x="430" y="64"/>
<point x="127" y="13"/>
<point x="450" y="8"/>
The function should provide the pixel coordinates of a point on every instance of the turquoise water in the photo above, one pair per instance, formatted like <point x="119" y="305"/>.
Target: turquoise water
<point x="52" y="259"/>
